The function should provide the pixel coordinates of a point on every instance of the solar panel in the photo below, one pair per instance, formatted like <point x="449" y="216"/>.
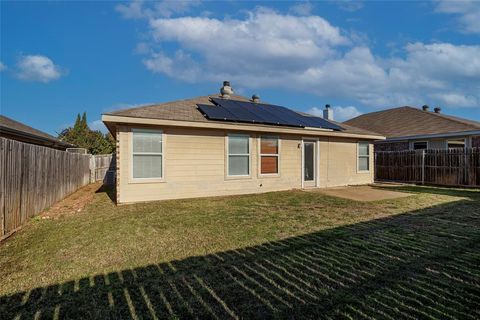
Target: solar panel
<point x="249" y="112"/>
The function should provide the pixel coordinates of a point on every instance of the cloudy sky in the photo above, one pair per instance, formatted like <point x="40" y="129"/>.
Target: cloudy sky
<point x="61" y="58"/>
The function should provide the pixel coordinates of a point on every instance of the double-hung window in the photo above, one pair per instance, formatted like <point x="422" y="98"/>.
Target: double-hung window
<point x="238" y="155"/>
<point x="269" y="155"/>
<point x="363" y="156"/>
<point x="147" y="154"/>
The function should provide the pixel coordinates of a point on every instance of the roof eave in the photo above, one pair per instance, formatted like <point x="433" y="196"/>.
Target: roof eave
<point x="434" y="135"/>
<point x="50" y="141"/>
<point x="109" y="119"/>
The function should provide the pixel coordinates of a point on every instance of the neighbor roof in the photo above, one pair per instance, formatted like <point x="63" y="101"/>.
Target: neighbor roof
<point x="186" y="110"/>
<point x="410" y="121"/>
<point x="19" y="131"/>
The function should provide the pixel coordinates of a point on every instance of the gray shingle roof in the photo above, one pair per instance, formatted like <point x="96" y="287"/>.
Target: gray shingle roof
<point x="409" y="121"/>
<point x="186" y="110"/>
<point x="10" y="124"/>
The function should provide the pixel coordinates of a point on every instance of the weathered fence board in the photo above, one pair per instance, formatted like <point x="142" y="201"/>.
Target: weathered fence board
<point x="33" y="178"/>
<point x="104" y="165"/>
<point x="452" y="167"/>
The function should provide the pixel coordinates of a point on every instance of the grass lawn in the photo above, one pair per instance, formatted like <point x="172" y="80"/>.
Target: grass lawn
<point x="277" y="255"/>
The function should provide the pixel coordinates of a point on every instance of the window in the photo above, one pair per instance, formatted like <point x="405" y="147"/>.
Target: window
<point x="147" y="155"/>
<point x="420" y="145"/>
<point x="268" y="155"/>
<point x="460" y="143"/>
<point x="238" y="155"/>
<point x="363" y="156"/>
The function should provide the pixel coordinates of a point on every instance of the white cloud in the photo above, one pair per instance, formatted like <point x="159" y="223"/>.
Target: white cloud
<point x="132" y="10"/>
<point x="349" y="5"/>
<point x="37" y="68"/>
<point x="466" y="11"/>
<point x="138" y="9"/>
<point x="308" y="54"/>
<point x="302" y="9"/>
<point x="2" y="66"/>
<point x="340" y="114"/>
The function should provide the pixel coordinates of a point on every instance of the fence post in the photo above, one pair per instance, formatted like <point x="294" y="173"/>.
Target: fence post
<point x="466" y="173"/>
<point x="92" y="168"/>
<point x="423" y="166"/>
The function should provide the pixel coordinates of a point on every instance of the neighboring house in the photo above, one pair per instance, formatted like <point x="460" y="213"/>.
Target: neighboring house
<point x="408" y="128"/>
<point x="211" y="146"/>
<point x="15" y="130"/>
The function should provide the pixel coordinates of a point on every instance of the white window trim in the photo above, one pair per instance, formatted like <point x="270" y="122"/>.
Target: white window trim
<point x="146" y="180"/>
<point x="227" y="157"/>
<point x="316" y="167"/>
<point x="260" y="154"/>
<point x="363" y="156"/>
<point x="420" y="141"/>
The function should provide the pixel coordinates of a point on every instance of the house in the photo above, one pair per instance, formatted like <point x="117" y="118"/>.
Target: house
<point x="225" y="144"/>
<point x="409" y="128"/>
<point x="15" y="130"/>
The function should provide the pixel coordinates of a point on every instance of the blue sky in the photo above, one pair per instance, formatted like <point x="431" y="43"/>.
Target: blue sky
<point x="61" y="58"/>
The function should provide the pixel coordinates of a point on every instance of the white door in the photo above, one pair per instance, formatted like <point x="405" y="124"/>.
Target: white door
<point x="309" y="167"/>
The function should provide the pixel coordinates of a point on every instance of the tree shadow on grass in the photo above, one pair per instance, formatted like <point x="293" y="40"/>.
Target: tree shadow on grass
<point x="423" y="264"/>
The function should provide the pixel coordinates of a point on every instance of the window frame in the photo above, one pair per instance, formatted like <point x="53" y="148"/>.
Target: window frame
<point x="227" y="156"/>
<point x="132" y="155"/>
<point x="363" y="156"/>
<point x="464" y="143"/>
<point x="260" y="155"/>
<point x="420" y="141"/>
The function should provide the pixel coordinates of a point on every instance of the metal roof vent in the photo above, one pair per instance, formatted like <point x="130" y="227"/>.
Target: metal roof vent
<point x="226" y="90"/>
<point x="255" y="98"/>
<point x="425" y="107"/>
<point x="437" y="109"/>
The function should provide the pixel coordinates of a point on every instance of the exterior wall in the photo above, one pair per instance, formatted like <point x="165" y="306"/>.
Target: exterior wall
<point x="475" y="142"/>
<point x="432" y="144"/>
<point x="338" y="163"/>
<point x="195" y="165"/>
<point x="392" y="146"/>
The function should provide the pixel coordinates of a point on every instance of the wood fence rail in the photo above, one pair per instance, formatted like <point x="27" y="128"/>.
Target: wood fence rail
<point x="32" y="178"/>
<point x="452" y="167"/>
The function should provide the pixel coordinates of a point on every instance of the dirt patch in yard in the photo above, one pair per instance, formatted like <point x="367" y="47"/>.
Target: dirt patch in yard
<point x="362" y="193"/>
<point x="74" y="203"/>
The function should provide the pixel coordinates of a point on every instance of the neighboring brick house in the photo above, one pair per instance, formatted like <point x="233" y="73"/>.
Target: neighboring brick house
<point x="409" y="128"/>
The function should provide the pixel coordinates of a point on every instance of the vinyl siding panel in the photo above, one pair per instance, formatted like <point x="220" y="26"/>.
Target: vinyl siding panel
<point x="195" y="166"/>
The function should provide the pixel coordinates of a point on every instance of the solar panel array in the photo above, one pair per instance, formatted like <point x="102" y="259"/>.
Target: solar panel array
<point x="261" y="113"/>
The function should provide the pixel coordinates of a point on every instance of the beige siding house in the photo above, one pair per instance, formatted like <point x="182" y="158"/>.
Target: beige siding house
<point x="173" y="151"/>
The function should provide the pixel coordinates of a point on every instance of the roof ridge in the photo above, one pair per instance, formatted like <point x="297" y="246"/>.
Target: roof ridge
<point x="209" y="96"/>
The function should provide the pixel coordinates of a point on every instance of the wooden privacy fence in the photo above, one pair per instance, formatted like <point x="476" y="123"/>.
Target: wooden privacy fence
<point x="103" y="168"/>
<point x="452" y="167"/>
<point x="32" y="178"/>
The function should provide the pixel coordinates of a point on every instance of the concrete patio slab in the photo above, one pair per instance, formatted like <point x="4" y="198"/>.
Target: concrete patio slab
<point x="361" y="193"/>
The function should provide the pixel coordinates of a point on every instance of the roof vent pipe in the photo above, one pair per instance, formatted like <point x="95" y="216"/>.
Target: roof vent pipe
<point x="255" y="98"/>
<point x="437" y="109"/>
<point x="328" y="112"/>
<point x="425" y="107"/>
<point x="226" y="90"/>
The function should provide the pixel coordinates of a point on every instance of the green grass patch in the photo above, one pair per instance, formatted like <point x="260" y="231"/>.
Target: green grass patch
<point x="285" y="254"/>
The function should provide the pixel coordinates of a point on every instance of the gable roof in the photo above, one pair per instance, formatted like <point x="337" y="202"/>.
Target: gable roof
<point x="186" y="110"/>
<point x="19" y="131"/>
<point x="409" y="121"/>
